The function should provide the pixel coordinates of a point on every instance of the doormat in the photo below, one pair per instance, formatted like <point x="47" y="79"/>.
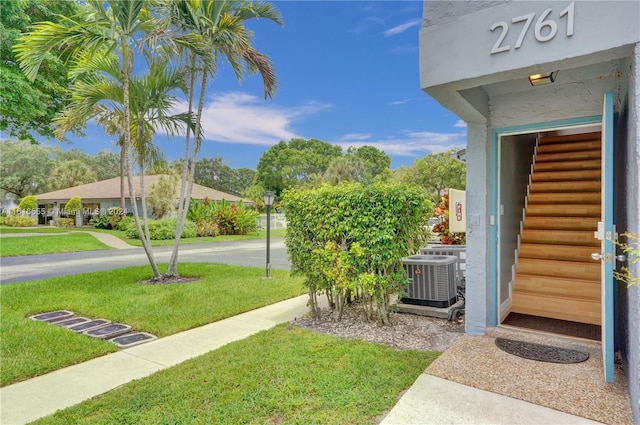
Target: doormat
<point x="540" y="352"/>
<point x="562" y="327"/>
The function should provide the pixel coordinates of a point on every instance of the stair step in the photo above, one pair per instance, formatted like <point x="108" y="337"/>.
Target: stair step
<point x="569" y="147"/>
<point x="594" y="135"/>
<point x="553" y="286"/>
<point x="566" y="186"/>
<point x="564" y="210"/>
<point x="569" y="156"/>
<point x="559" y="237"/>
<point x="561" y="223"/>
<point x="587" y="164"/>
<point x="565" y="198"/>
<point x="557" y="252"/>
<point x="561" y="269"/>
<point x="550" y="176"/>
<point x="562" y="308"/>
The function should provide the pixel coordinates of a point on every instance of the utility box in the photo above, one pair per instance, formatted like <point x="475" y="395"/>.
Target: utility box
<point x="431" y="280"/>
<point x="459" y="251"/>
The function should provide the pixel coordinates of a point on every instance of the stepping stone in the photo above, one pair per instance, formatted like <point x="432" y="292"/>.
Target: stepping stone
<point x="76" y="320"/>
<point x="109" y="331"/>
<point x="131" y="339"/>
<point x="87" y="326"/>
<point x="53" y="316"/>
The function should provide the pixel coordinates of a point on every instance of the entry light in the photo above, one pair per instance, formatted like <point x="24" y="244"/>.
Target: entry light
<point x="544" y="78"/>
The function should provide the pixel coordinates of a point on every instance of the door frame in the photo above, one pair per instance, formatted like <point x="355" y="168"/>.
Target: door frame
<point x="494" y="218"/>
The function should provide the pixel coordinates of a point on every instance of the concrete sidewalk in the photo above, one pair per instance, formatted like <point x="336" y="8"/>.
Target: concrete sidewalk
<point x="430" y="400"/>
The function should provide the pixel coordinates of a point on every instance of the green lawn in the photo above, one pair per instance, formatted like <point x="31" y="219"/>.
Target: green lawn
<point x="34" y="245"/>
<point x="284" y="375"/>
<point x="262" y="234"/>
<point x="31" y="348"/>
<point x="41" y="229"/>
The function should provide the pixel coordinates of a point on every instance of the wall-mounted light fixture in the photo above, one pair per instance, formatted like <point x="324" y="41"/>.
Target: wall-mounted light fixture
<point x="544" y="78"/>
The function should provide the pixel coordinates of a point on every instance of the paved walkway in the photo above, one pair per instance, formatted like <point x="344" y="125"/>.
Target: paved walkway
<point x="430" y="400"/>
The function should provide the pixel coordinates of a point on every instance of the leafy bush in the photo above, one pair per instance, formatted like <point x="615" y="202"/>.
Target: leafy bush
<point x="66" y="222"/>
<point x="127" y="222"/>
<point x="3" y="220"/>
<point x="348" y="241"/>
<point x="28" y="203"/>
<point x="206" y="228"/>
<point x="20" y="221"/>
<point x="230" y="219"/>
<point x="107" y="221"/>
<point x="73" y="206"/>
<point x="162" y="196"/>
<point x="162" y="229"/>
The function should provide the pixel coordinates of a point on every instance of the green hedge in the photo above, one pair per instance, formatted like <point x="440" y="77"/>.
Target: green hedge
<point x="65" y="222"/>
<point x="20" y="221"/>
<point x="348" y="241"/>
<point x="160" y="229"/>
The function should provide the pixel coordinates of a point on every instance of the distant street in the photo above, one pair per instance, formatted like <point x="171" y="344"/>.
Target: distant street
<point x="243" y="253"/>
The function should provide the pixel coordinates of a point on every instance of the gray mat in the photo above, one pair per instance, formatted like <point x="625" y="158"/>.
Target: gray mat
<point x="540" y="352"/>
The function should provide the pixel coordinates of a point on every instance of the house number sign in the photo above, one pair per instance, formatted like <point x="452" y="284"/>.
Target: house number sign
<point x="544" y="29"/>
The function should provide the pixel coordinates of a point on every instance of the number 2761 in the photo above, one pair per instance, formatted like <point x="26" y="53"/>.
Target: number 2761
<point x="544" y="29"/>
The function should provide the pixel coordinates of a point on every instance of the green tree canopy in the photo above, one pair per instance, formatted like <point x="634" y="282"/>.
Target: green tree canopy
<point x="28" y="107"/>
<point x="435" y="173"/>
<point x="287" y="165"/>
<point x="376" y="162"/>
<point x="72" y="173"/>
<point x="25" y="168"/>
<point x="214" y="173"/>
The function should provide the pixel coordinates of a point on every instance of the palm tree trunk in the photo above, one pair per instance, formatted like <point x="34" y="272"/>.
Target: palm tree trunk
<point x="184" y="201"/>
<point x="123" y="204"/>
<point x="128" y="66"/>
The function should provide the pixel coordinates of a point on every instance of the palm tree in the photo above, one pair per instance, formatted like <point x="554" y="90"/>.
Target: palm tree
<point x="221" y="25"/>
<point x="105" y="33"/>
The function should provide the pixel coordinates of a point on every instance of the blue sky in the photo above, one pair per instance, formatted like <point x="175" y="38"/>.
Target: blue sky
<point x="348" y="74"/>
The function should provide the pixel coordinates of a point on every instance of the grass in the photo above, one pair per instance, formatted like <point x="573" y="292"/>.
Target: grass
<point x="35" y="245"/>
<point x="261" y="234"/>
<point x="8" y="230"/>
<point x="285" y="375"/>
<point x="31" y="348"/>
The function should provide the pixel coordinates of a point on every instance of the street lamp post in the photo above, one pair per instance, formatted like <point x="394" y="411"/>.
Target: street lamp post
<point x="268" y="201"/>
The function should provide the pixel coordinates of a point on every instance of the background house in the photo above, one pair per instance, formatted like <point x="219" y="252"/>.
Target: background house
<point x="98" y="197"/>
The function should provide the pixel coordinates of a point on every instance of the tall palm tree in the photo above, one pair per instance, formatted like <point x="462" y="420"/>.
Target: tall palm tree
<point x="109" y="30"/>
<point x="221" y="24"/>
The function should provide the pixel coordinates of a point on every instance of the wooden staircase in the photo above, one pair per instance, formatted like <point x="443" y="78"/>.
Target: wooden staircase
<point x="554" y="273"/>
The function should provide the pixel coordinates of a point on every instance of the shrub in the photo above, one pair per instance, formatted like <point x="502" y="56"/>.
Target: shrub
<point x="29" y="204"/>
<point x="107" y="221"/>
<point x="348" y="241"/>
<point x="162" y="196"/>
<point x="20" y="221"/>
<point x="162" y="229"/>
<point x="229" y="219"/>
<point x="206" y="228"/>
<point x="3" y="220"/>
<point x="126" y="223"/>
<point x="101" y="222"/>
<point x="73" y="206"/>
<point x="66" y="222"/>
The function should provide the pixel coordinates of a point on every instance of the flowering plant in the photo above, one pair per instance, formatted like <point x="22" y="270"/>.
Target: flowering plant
<point x="442" y="228"/>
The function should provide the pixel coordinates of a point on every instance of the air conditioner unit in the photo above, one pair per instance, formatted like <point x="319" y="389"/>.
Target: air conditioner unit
<point x="431" y="280"/>
<point x="459" y="251"/>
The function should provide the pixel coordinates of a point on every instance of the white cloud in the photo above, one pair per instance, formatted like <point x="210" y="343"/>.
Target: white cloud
<point x="236" y="117"/>
<point x="365" y="24"/>
<point x="460" y="124"/>
<point x="414" y="143"/>
<point x="400" y="102"/>
<point x="402" y="28"/>
<point x="356" y="136"/>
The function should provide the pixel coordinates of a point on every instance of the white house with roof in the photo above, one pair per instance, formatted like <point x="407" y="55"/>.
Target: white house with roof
<point x="98" y="197"/>
<point x="550" y="93"/>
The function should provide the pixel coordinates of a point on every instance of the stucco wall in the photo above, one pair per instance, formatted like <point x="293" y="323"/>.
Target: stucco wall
<point x="632" y="355"/>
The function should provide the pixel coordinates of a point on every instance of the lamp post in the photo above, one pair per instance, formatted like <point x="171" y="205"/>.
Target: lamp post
<point x="268" y="201"/>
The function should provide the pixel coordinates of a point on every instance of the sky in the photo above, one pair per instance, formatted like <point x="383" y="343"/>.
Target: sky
<point x="347" y="74"/>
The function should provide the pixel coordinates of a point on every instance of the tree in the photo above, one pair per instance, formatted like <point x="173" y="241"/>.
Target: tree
<point x="25" y="168"/>
<point x="376" y="162"/>
<point x="344" y="168"/>
<point x="72" y="173"/>
<point x="162" y="195"/>
<point x="220" y="24"/>
<point x="102" y="32"/>
<point x="287" y="165"/>
<point x="106" y="164"/>
<point x="214" y="173"/>
<point x="29" y="106"/>
<point x="435" y="173"/>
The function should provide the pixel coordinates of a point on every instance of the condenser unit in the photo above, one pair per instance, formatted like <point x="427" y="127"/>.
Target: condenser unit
<point x="431" y="280"/>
